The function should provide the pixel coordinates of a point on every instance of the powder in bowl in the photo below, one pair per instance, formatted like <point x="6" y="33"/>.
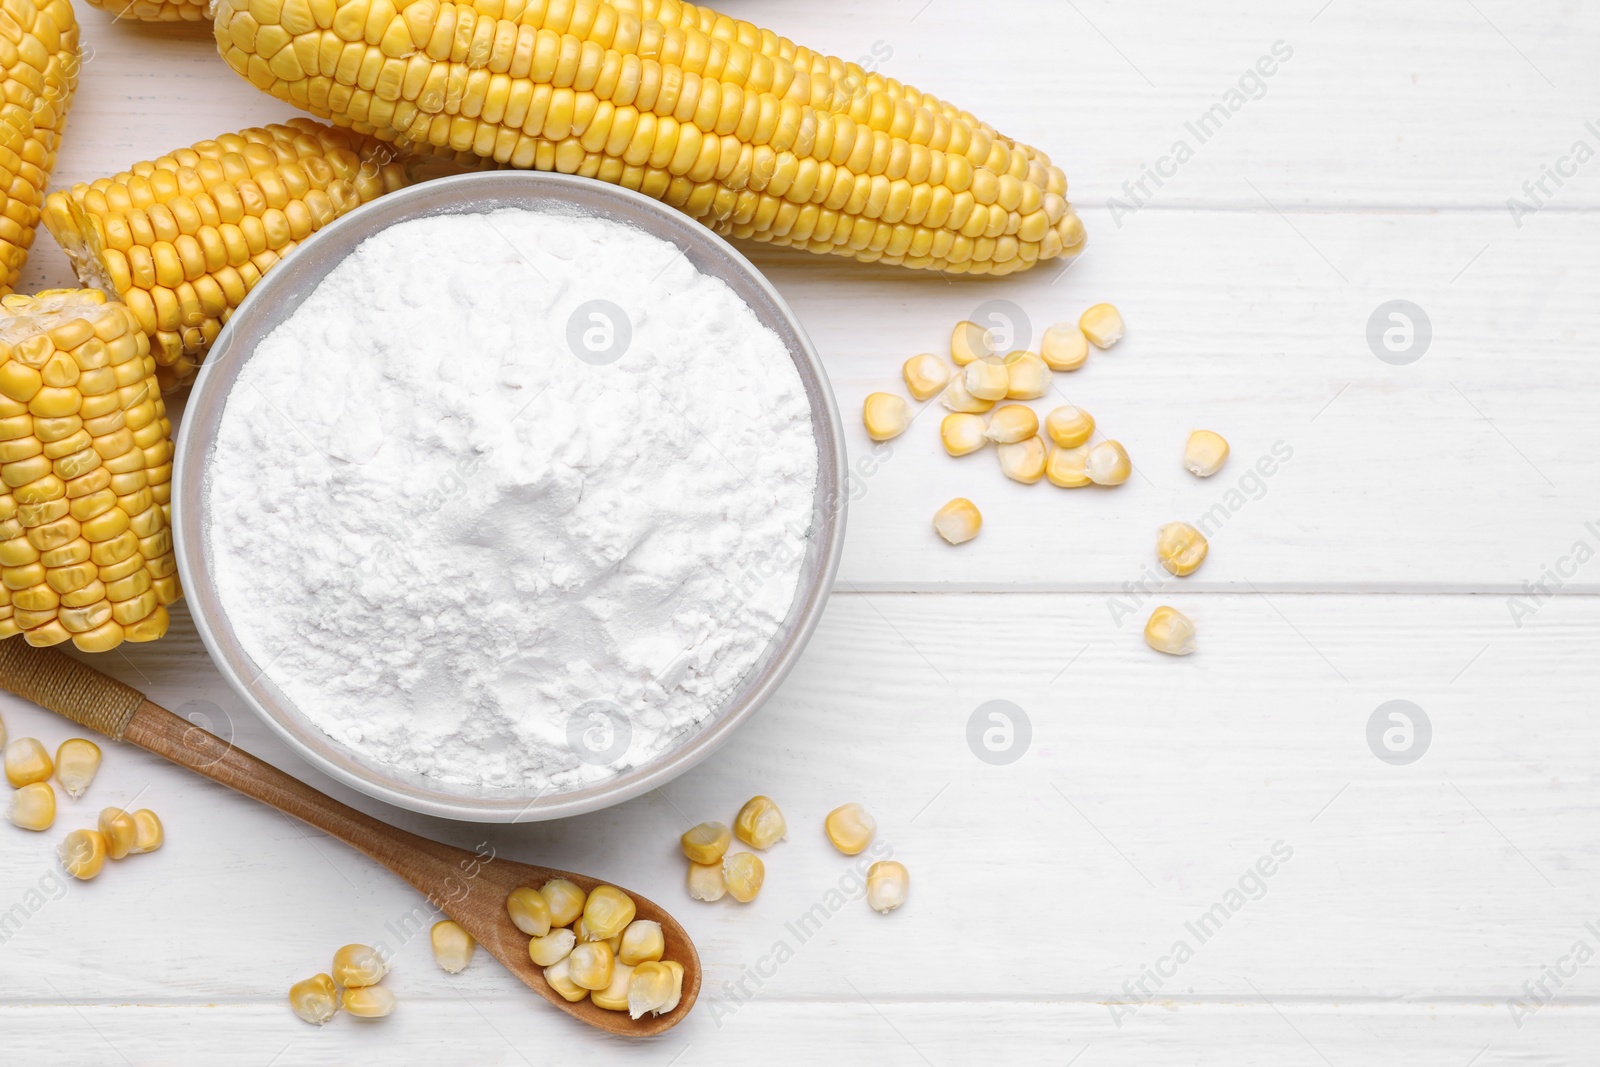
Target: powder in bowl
<point x="512" y="500"/>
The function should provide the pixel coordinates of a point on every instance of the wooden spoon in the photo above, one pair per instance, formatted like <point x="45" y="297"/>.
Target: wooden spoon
<point x="468" y="887"/>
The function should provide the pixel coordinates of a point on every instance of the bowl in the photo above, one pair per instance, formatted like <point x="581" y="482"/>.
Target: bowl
<point x="277" y="296"/>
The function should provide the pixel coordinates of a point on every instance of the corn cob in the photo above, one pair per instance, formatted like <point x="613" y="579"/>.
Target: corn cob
<point x="155" y="10"/>
<point x="182" y="239"/>
<point x="86" y="466"/>
<point x="741" y="129"/>
<point x="39" y="66"/>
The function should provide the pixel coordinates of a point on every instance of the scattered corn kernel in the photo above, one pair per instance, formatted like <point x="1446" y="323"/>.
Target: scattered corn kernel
<point x="1068" y="467"/>
<point x="452" y="946"/>
<point x="650" y="985"/>
<point x="553" y="947"/>
<point x="27" y="762"/>
<point x="607" y="912"/>
<point x="1064" y="347"/>
<point x="850" y="827"/>
<point x="957" y="398"/>
<point x="887" y="883"/>
<point x="355" y="966"/>
<point x="677" y="986"/>
<point x="315" y="1000"/>
<point x="968" y="342"/>
<point x="367" y="1002"/>
<point x="529" y="911"/>
<point x="559" y="977"/>
<point x="1011" y="423"/>
<point x="33" y="807"/>
<point x="83" y="853"/>
<point x="77" y="760"/>
<point x="150" y="835"/>
<point x="1181" y="548"/>
<point x="614" y="997"/>
<point x="119" y="830"/>
<point x="886" y="416"/>
<point x="760" y="824"/>
<point x="986" y="379"/>
<point x="590" y="964"/>
<point x="925" y="375"/>
<point x="1027" y="377"/>
<point x="1069" y="426"/>
<point x="1102" y="325"/>
<point x="1023" y="461"/>
<point x="963" y="433"/>
<point x="743" y="872"/>
<point x="707" y="842"/>
<point x="958" y="521"/>
<point x="564" y="899"/>
<point x="585" y="934"/>
<point x="1109" y="464"/>
<point x="1205" y="453"/>
<point x="705" y="881"/>
<point x="642" y="942"/>
<point x="1169" y="630"/>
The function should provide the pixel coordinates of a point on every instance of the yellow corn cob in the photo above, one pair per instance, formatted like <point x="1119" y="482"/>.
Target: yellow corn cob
<point x="182" y="239"/>
<point x="39" y="68"/>
<point x="741" y="129"/>
<point x="155" y="10"/>
<point x="86" y="462"/>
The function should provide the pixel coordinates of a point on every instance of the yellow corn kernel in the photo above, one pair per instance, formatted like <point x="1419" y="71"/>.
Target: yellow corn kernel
<point x="706" y="843"/>
<point x="1181" y="548"/>
<point x="887" y="883"/>
<point x="315" y="999"/>
<point x="1169" y="630"/>
<point x="1067" y="467"/>
<point x="743" y="872"/>
<point x="1102" y="325"/>
<point x="614" y="997"/>
<point x="552" y="947"/>
<point x="986" y="379"/>
<point x="1011" y="423"/>
<point x="150" y="834"/>
<point x="705" y="881"/>
<point x="760" y="824"/>
<point x="650" y="986"/>
<point x="1064" y="347"/>
<point x="590" y="964"/>
<point x="925" y="375"/>
<point x="83" y="853"/>
<point x="957" y="398"/>
<point x="42" y="66"/>
<point x="677" y="986"/>
<point x="120" y="832"/>
<point x="1027" y="377"/>
<point x="565" y="900"/>
<point x="529" y="911"/>
<point x="1069" y="426"/>
<point x="969" y="342"/>
<point x="958" y="521"/>
<point x="886" y="416"/>
<point x="558" y="976"/>
<point x="607" y="912"/>
<point x="1109" y="464"/>
<point x="367" y="1002"/>
<point x="585" y="934"/>
<point x="77" y="760"/>
<point x="452" y="946"/>
<point x="33" y="807"/>
<point x="156" y="10"/>
<point x="355" y="966"/>
<point x="850" y="827"/>
<point x="27" y="762"/>
<point x="1204" y="453"/>
<point x="642" y="942"/>
<point x="1023" y="461"/>
<point x="962" y="433"/>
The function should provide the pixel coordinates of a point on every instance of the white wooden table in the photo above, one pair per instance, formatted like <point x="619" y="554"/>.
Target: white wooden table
<point x="1387" y="558"/>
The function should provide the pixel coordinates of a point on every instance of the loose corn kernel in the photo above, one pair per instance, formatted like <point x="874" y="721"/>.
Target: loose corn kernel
<point x="743" y="872"/>
<point x="642" y="942"/>
<point x="565" y="900"/>
<point x="1064" y="347"/>
<point x="529" y="911"/>
<point x="705" y="881"/>
<point x="83" y="853"/>
<point x="1102" y="325"/>
<point x="925" y="375"/>
<point x="558" y="976"/>
<point x="957" y="398"/>
<point x="706" y="843"/>
<point x="1069" y="426"/>
<point x="33" y="807"/>
<point x="355" y="966"/>
<point x="607" y="912"/>
<point x="850" y="827"/>
<point x="119" y="830"/>
<point x="963" y="433"/>
<point x="77" y="760"/>
<point x="1169" y="630"/>
<point x="27" y="762"/>
<point x="546" y="951"/>
<point x="315" y="999"/>
<point x="760" y="824"/>
<point x="886" y="416"/>
<point x="150" y="834"/>
<point x="585" y="934"/>
<point x="968" y="342"/>
<point x="1023" y="461"/>
<point x="1205" y="453"/>
<point x="986" y="379"/>
<point x="887" y="883"/>
<point x="1011" y="423"/>
<point x="677" y="987"/>
<point x="1181" y="548"/>
<point x="1027" y="377"/>
<point x="649" y="987"/>
<point x="1109" y="463"/>
<point x="614" y="997"/>
<point x="452" y="946"/>
<point x="958" y="521"/>
<point x="367" y="1002"/>
<point x="1067" y="467"/>
<point x="590" y="964"/>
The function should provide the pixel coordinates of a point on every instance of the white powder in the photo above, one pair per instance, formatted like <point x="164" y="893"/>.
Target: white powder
<point x="444" y="536"/>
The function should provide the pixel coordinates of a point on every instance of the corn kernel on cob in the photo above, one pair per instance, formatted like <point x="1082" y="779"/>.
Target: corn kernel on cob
<point x="39" y="65"/>
<point x="156" y="10"/>
<point x="741" y="129"/>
